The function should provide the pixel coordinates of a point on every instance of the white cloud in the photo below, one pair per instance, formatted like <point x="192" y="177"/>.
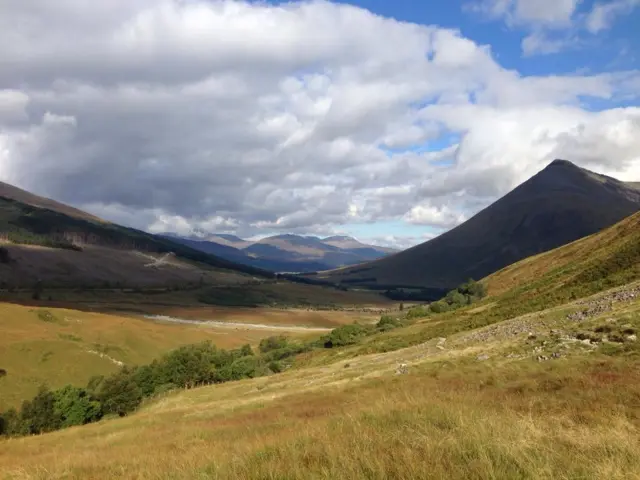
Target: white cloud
<point x="547" y="13"/>
<point x="603" y="15"/>
<point x="553" y="26"/>
<point x="249" y="117"/>
<point x="427" y="214"/>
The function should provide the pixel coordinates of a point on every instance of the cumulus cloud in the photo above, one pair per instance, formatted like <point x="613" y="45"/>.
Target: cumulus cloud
<point x="604" y="15"/>
<point x="253" y="118"/>
<point x="553" y="25"/>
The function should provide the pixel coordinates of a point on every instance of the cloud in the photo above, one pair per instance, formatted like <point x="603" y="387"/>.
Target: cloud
<point x="302" y="117"/>
<point x="603" y="15"/>
<point x="547" y="13"/>
<point x="553" y="26"/>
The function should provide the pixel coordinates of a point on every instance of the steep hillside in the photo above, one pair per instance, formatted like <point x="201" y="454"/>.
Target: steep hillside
<point x="10" y="192"/>
<point x="560" y="204"/>
<point x="50" y="242"/>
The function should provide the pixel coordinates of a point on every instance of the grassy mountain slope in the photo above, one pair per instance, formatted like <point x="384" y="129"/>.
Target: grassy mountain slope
<point x="22" y="196"/>
<point x="560" y="204"/>
<point x="476" y="404"/>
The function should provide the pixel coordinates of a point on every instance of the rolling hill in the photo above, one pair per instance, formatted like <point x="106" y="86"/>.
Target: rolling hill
<point x="287" y="253"/>
<point x="560" y="204"/>
<point x="46" y="241"/>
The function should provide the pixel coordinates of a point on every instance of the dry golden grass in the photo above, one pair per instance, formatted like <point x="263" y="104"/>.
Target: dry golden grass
<point x="41" y="345"/>
<point x="452" y="416"/>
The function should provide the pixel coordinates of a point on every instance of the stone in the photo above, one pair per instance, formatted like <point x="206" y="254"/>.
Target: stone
<point x="483" y="357"/>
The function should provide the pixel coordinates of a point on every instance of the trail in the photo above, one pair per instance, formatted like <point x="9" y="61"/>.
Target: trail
<point x="236" y="325"/>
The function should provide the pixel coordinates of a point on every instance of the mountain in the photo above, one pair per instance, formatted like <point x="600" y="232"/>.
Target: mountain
<point x="560" y="204"/>
<point x="27" y="198"/>
<point x="288" y="253"/>
<point x="49" y="242"/>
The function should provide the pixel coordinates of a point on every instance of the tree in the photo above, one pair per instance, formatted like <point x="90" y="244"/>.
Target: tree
<point x="74" y="406"/>
<point x="39" y="415"/>
<point x="119" y="393"/>
<point x="10" y="423"/>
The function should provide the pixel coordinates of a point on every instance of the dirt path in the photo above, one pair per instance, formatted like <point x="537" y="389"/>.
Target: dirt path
<point x="236" y="325"/>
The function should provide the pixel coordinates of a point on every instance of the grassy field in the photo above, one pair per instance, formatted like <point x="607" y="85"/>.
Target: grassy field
<point x="478" y="405"/>
<point x="57" y="346"/>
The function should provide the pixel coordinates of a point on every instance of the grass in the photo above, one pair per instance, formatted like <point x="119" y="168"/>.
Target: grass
<point x="572" y="420"/>
<point x="60" y="346"/>
<point x="451" y="416"/>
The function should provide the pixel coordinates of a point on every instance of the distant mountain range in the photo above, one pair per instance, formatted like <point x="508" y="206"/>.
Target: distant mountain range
<point x="560" y="204"/>
<point x="286" y="253"/>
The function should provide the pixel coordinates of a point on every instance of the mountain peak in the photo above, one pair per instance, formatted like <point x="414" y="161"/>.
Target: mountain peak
<point x="559" y="162"/>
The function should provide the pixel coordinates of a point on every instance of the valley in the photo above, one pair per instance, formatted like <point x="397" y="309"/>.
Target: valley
<point x="531" y="372"/>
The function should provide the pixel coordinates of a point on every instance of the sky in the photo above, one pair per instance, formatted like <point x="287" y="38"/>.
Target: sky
<point x="391" y="121"/>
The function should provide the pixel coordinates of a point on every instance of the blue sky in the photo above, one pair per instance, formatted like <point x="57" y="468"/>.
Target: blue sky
<point x="392" y="121"/>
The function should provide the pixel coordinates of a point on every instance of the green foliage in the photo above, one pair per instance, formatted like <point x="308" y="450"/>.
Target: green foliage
<point x="191" y="365"/>
<point x="74" y="406"/>
<point x="39" y="415"/>
<point x="273" y="343"/>
<point x="440" y="306"/>
<point x="246" y="351"/>
<point x="119" y="394"/>
<point x="418" y="312"/>
<point x="345" y="335"/>
<point x="10" y="423"/>
<point x="387" y="322"/>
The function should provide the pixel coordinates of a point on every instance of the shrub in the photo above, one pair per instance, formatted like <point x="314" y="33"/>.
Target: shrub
<point x="387" y="323"/>
<point x="440" y="306"/>
<point x="273" y="343"/>
<point x="3" y="372"/>
<point x="418" y="312"/>
<point x="345" y="335"/>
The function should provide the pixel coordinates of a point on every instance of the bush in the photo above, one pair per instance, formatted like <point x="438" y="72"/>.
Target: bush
<point x="273" y="343"/>
<point x="3" y="372"/>
<point x="345" y="335"/>
<point x="387" y="323"/>
<point x="418" y="312"/>
<point x="440" y="306"/>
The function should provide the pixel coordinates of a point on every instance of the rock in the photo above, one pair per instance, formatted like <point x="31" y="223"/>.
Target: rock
<point x="402" y="369"/>
<point x="632" y="338"/>
<point x="483" y="357"/>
